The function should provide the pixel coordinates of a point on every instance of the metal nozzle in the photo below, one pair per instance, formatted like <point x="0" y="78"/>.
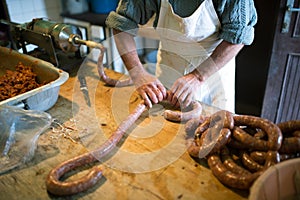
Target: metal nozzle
<point x="77" y="41"/>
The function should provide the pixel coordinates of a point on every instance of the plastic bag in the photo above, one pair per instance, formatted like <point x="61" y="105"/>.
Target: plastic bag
<point x="19" y="132"/>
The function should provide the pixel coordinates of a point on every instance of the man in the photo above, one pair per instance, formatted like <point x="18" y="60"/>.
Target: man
<point x="199" y="40"/>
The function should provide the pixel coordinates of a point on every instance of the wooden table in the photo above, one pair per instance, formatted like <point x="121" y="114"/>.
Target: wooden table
<point x="151" y="163"/>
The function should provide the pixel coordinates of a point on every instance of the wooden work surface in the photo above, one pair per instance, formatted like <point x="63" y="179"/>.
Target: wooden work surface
<point x="151" y="163"/>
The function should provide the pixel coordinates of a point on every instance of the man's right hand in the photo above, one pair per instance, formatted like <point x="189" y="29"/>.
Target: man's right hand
<point x="148" y="86"/>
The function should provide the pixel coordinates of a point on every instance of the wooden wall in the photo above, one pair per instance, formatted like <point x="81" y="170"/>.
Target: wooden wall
<point x="253" y="61"/>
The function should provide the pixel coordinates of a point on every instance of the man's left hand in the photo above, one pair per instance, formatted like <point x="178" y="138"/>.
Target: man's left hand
<point x="183" y="90"/>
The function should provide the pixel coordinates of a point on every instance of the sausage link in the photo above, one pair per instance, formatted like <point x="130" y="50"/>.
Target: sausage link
<point x="214" y="139"/>
<point x="192" y="124"/>
<point x="229" y="178"/>
<point x="203" y="127"/>
<point x="250" y="164"/>
<point x="230" y="164"/>
<point x="248" y="140"/>
<point x="224" y="118"/>
<point x="272" y="158"/>
<point x="272" y="130"/>
<point x="106" y="79"/>
<point x="296" y="134"/>
<point x="211" y="141"/>
<point x="289" y="126"/>
<point x="259" y="156"/>
<point x="177" y="116"/>
<point x="221" y="118"/>
<point x="290" y="145"/>
<point x="260" y="135"/>
<point x="193" y="149"/>
<point x="195" y="146"/>
<point x="168" y="114"/>
<point x="57" y="187"/>
<point x="250" y="130"/>
<point x="233" y="143"/>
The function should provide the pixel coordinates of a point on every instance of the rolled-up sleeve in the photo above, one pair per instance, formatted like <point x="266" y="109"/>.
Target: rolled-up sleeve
<point x="131" y="13"/>
<point x="237" y="21"/>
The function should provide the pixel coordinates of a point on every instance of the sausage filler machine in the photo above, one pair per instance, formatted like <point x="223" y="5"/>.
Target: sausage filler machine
<point x="58" y="42"/>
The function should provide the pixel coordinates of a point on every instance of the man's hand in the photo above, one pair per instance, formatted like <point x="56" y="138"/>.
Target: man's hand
<point x="148" y="86"/>
<point x="183" y="90"/>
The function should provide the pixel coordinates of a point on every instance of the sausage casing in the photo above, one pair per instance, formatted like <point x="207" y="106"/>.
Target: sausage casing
<point x="229" y="178"/>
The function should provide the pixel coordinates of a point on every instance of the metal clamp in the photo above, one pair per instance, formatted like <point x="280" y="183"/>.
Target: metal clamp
<point x="287" y="16"/>
<point x="291" y="9"/>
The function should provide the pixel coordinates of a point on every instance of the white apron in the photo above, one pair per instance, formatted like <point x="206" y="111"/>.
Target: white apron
<point x="187" y="42"/>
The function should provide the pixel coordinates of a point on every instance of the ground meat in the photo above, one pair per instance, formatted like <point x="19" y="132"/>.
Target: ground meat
<point x="16" y="82"/>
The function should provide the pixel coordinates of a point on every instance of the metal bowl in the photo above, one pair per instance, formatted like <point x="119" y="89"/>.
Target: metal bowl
<point x="41" y="98"/>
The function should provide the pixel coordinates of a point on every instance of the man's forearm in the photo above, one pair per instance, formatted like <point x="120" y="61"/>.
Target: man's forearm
<point x="127" y="49"/>
<point x="223" y="53"/>
<point x="148" y="86"/>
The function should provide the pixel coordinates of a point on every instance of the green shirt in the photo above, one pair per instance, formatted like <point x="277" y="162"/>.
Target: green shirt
<point x="237" y="17"/>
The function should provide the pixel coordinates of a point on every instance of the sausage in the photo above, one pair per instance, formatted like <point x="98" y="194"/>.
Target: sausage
<point x="230" y="164"/>
<point x="224" y="118"/>
<point x="211" y="141"/>
<point x="168" y="114"/>
<point x="221" y="118"/>
<point x="193" y="149"/>
<point x="223" y="138"/>
<point x="272" y="130"/>
<point x="248" y="140"/>
<point x="106" y="79"/>
<point x="203" y="127"/>
<point x="57" y="187"/>
<point x="296" y="134"/>
<point x="272" y="158"/>
<point x="259" y="156"/>
<point x="233" y="143"/>
<point x="260" y="135"/>
<point x="192" y="124"/>
<point x="289" y="126"/>
<point x="250" y="164"/>
<point x="212" y="138"/>
<point x="229" y="178"/>
<point x="177" y="116"/>
<point x="290" y="145"/>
